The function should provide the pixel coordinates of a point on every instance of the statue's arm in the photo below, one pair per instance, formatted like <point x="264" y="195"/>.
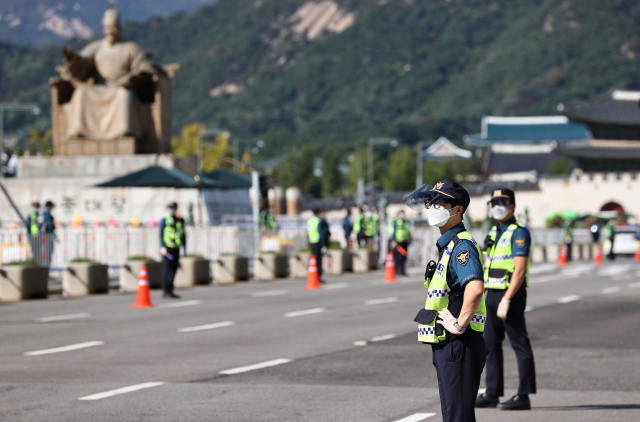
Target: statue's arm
<point x="139" y="64"/>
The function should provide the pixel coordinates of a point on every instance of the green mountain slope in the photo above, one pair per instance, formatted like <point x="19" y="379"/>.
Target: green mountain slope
<point x="410" y="68"/>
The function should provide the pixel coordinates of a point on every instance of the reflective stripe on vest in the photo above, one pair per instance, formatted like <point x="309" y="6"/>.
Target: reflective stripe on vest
<point x="499" y="264"/>
<point x="312" y="228"/>
<point x="34" y="229"/>
<point x="439" y="291"/>
<point x="172" y="234"/>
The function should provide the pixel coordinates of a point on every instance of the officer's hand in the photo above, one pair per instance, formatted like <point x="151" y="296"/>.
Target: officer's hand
<point x="323" y="249"/>
<point x="393" y="244"/>
<point x="503" y="308"/>
<point x="163" y="251"/>
<point x="446" y="319"/>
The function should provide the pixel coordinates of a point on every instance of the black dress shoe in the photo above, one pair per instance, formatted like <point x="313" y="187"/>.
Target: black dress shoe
<point x="170" y="296"/>
<point x="516" y="403"/>
<point x="484" y="400"/>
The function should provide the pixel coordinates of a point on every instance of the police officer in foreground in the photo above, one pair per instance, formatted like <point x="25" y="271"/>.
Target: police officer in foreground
<point x="172" y="236"/>
<point x="505" y="277"/>
<point x="453" y="317"/>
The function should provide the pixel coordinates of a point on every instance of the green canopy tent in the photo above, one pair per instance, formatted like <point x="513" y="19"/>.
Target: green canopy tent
<point x="228" y="179"/>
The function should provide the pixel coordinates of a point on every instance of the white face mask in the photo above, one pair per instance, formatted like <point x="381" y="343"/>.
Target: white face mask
<point x="499" y="212"/>
<point x="438" y="217"/>
<point x="368" y="214"/>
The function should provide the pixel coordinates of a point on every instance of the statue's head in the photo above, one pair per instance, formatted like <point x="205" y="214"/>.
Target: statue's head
<point x="111" y="25"/>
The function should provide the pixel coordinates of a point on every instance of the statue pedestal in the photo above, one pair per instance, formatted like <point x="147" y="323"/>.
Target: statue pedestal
<point x="125" y="145"/>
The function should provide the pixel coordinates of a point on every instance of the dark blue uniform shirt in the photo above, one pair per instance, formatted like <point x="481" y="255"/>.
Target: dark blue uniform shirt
<point x="520" y="241"/>
<point x="465" y="263"/>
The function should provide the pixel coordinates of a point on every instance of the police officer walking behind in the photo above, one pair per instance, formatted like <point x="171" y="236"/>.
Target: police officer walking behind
<point x="505" y="277"/>
<point x="172" y="236"/>
<point x="358" y="225"/>
<point x="33" y="227"/>
<point x="400" y="238"/>
<point x="49" y="230"/>
<point x="348" y="228"/>
<point x="453" y="317"/>
<point x="316" y="239"/>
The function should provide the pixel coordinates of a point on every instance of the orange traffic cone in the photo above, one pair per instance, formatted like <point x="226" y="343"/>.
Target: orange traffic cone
<point x="562" y="258"/>
<point x="143" y="300"/>
<point x="313" y="279"/>
<point x="637" y="252"/>
<point x="597" y="258"/>
<point x="389" y="269"/>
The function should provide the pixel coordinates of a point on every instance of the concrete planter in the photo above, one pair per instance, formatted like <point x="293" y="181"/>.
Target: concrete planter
<point x="538" y="254"/>
<point x="341" y="261"/>
<point x="299" y="264"/>
<point x="553" y="252"/>
<point x="229" y="269"/>
<point x="19" y="282"/>
<point x="84" y="278"/>
<point x="270" y="266"/>
<point x="192" y="271"/>
<point x="365" y="260"/>
<point x="130" y="275"/>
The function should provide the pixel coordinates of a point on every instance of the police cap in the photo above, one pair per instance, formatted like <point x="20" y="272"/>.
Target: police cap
<point x="444" y="190"/>
<point x="501" y="194"/>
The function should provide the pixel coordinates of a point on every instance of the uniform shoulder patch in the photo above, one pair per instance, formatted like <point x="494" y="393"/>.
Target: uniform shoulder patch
<point x="520" y="242"/>
<point x="463" y="257"/>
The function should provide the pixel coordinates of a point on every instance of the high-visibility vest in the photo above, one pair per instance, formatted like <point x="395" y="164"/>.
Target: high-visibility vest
<point x="173" y="231"/>
<point x="313" y="229"/>
<point x="499" y="265"/>
<point x="402" y="230"/>
<point x="267" y="221"/>
<point x="369" y="227"/>
<point x="438" y="296"/>
<point x="33" y="228"/>
<point x="357" y="223"/>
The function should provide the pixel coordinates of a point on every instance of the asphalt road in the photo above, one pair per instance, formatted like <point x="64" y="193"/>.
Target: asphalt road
<point x="273" y="351"/>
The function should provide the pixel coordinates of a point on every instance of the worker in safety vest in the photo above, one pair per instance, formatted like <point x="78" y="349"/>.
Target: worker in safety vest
<point x="610" y="236"/>
<point x="453" y="317"/>
<point x="358" y="225"/>
<point x="267" y="222"/>
<point x="567" y="237"/>
<point x="505" y="276"/>
<point x="317" y="239"/>
<point x="400" y="239"/>
<point x="369" y="224"/>
<point x="172" y="236"/>
<point x="33" y="231"/>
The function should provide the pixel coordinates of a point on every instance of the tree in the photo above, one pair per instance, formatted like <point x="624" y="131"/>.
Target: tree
<point x="297" y="170"/>
<point x="40" y="143"/>
<point x="186" y="145"/>
<point x="331" y="176"/>
<point x="561" y="166"/>
<point x="401" y="173"/>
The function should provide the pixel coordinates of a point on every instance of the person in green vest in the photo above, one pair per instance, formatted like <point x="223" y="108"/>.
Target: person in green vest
<point x="610" y="235"/>
<point x="369" y="225"/>
<point x="33" y="231"/>
<point x="317" y="239"/>
<point x="267" y="222"/>
<point x="358" y="225"/>
<point x="172" y="236"/>
<point x="567" y="236"/>
<point x="505" y="276"/>
<point x="453" y="317"/>
<point x="400" y="239"/>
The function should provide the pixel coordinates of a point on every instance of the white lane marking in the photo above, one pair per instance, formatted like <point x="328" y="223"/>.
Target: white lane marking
<point x="180" y="304"/>
<point x="416" y="417"/>
<point x="608" y="290"/>
<point x="270" y="293"/>
<point x="536" y="269"/>
<point x="335" y="286"/>
<point x="65" y="348"/>
<point x="206" y="327"/>
<point x="633" y="285"/>
<point x="304" y="312"/>
<point x="529" y="308"/>
<point x="568" y="299"/>
<point x="618" y="269"/>
<point x="62" y="317"/>
<point x="253" y="367"/>
<point x="575" y="270"/>
<point x="383" y="338"/>
<point x="122" y="390"/>
<point x="558" y="277"/>
<point x="360" y="343"/>
<point x="380" y="301"/>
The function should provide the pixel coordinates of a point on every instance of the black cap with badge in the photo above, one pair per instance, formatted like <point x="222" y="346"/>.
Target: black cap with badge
<point x="499" y="195"/>
<point x="444" y="190"/>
